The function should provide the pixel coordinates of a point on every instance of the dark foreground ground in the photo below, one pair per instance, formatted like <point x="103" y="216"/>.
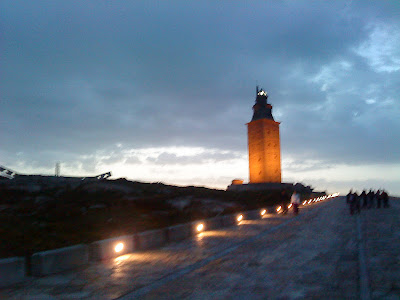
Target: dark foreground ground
<point x="41" y="213"/>
<point x="323" y="253"/>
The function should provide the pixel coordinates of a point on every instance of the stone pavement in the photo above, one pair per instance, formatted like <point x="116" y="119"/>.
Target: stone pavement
<point x="381" y="229"/>
<point x="313" y="255"/>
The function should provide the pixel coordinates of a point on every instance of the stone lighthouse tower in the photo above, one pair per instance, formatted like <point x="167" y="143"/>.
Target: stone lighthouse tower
<point x="264" y="143"/>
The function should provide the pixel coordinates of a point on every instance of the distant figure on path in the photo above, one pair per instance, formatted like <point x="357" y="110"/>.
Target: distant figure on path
<point x="295" y="200"/>
<point x="364" y="198"/>
<point x="378" y="199"/>
<point x="357" y="206"/>
<point x="348" y="196"/>
<point x="370" y="199"/>
<point x="354" y="202"/>
<point x="385" y="198"/>
<point x="349" y="200"/>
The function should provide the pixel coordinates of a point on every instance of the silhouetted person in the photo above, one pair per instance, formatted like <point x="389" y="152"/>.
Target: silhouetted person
<point x="356" y="200"/>
<point x="374" y="198"/>
<point x="378" y="199"/>
<point x="349" y="199"/>
<point x="370" y="199"/>
<point x="348" y="196"/>
<point x="295" y="200"/>
<point x="385" y="199"/>
<point x="364" y="199"/>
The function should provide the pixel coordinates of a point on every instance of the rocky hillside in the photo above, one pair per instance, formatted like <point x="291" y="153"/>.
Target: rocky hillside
<point x="39" y="212"/>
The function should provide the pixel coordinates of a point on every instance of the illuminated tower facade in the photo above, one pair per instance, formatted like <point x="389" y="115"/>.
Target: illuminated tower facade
<point x="264" y="143"/>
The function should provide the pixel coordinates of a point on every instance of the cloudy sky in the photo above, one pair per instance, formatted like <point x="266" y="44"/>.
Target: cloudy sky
<point x="161" y="91"/>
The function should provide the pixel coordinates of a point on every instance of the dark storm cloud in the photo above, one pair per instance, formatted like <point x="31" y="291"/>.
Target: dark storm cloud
<point x="82" y="77"/>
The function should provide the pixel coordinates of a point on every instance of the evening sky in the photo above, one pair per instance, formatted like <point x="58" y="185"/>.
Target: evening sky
<point x="162" y="90"/>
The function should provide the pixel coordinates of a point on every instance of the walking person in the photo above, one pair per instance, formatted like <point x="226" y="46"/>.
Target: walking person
<point x="374" y="199"/>
<point x="378" y="199"/>
<point x="364" y="199"/>
<point x="385" y="198"/>
<point x="370" y="199"/>
<point x="349" y="200"/>
<point x="356" y="203"/>
<point x="348" y="196"/>
<point x="295" y="200"/>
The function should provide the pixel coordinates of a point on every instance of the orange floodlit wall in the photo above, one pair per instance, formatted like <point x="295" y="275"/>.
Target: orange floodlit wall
<point x="264" y="151"/>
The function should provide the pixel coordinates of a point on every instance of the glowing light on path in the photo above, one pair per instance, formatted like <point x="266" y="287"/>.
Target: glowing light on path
<point x="321" y="198"/>
<point x="240" y="218"/>
<point x="200" y="227"/>
<point x="119" y="247"/>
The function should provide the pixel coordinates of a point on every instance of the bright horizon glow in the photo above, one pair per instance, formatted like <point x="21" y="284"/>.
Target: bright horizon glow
<point x="171" y="165"/>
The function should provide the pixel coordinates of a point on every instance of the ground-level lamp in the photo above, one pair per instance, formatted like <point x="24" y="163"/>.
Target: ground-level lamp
<point x="119" y="247"/>
<point x="200" y="227"/>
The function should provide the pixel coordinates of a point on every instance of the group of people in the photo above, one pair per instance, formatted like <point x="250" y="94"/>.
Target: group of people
<point x="294" y="201"/>
<point x="372" y="199"/>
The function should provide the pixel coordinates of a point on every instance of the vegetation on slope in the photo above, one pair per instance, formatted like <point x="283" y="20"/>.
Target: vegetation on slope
<point x="47" y="215"/>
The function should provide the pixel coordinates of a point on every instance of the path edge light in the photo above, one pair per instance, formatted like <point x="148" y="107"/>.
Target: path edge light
<point x="119" y="247"/>
<point x="199" y="227"/>
<point x="239" y="217"/>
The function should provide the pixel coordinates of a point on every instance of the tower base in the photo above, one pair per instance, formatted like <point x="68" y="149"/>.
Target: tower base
<point x="259" y="186"/>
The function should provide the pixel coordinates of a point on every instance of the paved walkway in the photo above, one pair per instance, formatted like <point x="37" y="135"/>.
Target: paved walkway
<point x="381" y="229"/>
<point x="314" y="255"/>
